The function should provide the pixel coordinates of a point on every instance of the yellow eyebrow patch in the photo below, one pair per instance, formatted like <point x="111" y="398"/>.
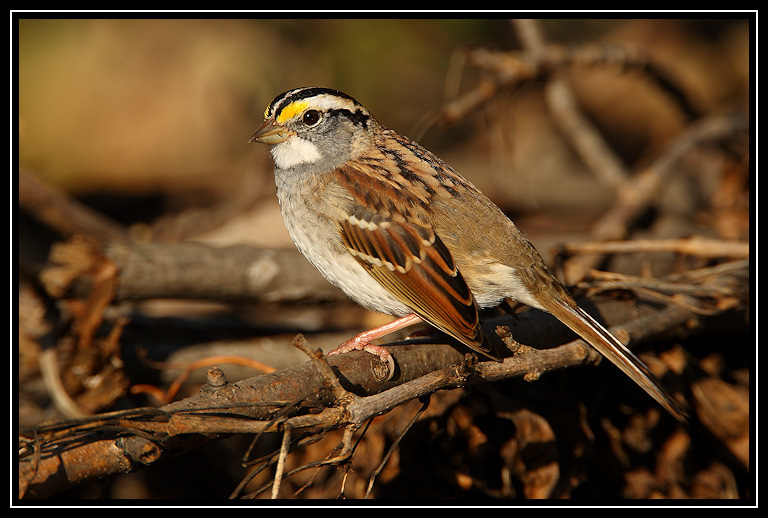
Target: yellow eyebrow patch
<point x="290" y="111"/>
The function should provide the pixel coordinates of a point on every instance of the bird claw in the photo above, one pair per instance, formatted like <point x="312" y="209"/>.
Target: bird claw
<point x="377" y="350"/>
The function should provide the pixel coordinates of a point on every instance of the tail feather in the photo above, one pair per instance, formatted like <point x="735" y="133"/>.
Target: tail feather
<point x="610" y="347"/>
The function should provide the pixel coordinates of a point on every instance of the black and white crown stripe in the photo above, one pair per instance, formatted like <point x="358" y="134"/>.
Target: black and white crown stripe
<point x="327" y="100"/>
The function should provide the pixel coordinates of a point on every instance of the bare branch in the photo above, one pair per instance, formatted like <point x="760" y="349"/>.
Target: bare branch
<point x="63" y="213"/>
<point x="190" y="271"/>
<point x="641" y="191"/>
<point x="696" y="245"/>
<point x="52" y="455"/>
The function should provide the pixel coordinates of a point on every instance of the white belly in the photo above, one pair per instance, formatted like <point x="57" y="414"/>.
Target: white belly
<point x="321" y="244"/>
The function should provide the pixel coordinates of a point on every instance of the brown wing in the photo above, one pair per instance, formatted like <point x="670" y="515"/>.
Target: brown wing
<point x="413" y="264"/>
<point x="388" y="229"/>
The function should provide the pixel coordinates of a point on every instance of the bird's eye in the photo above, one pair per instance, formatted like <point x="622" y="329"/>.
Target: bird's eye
<point x="311" y="117"/>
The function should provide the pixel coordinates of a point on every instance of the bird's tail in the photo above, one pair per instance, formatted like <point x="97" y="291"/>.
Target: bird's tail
<point x="610" y="347"/>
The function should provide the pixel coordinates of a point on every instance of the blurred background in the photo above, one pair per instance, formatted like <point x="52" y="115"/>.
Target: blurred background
<point x="158" y="112"/>
<point x="147" y="121"/>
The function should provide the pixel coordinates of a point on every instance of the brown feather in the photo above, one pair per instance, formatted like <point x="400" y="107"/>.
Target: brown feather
<point x="580" y="322"/>
<point x="412" y="263"/>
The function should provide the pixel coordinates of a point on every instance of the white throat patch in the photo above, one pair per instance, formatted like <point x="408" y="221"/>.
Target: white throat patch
<point x="294" y="151"/>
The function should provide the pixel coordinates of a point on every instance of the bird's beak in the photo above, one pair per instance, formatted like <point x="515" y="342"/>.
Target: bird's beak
<point x="271" y="133"/>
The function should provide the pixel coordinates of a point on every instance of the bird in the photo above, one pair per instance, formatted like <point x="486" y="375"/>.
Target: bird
<point x="401" y="233"/>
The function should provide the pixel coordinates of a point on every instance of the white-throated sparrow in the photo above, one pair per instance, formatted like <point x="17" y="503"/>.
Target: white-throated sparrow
<point x="401" y="233"/>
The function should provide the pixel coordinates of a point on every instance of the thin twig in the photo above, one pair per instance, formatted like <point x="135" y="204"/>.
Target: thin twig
<point x="384" y="460"/>
<point x="641" y="191"/>
<point x="345" y="445"/>
<point x="320" y="363"/>
<point x="65" y="214"/>
<point x="281" y="460"/>
<point x="696" y="245"/>
<point x="505" y="70"/>
<point x="575" y="126"/>
<point x="268" y="460"/>
<point x="344" y="456"/>
<point x="51" y="374"/>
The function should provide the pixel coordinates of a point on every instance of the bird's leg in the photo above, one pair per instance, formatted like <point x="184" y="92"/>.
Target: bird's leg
<point x="362" y="341"/>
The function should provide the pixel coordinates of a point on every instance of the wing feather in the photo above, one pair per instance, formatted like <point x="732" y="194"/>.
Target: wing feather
<point x="413" y="264"/>
<point x="386" y="225"/>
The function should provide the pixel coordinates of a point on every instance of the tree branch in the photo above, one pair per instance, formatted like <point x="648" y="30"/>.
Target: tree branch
<point x="190" y="271"/>
<point x="58" y="456"/>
